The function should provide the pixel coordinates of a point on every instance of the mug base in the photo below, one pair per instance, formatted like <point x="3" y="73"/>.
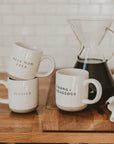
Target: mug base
<point x="71" y="109"/>
<point x="23" y="111"/>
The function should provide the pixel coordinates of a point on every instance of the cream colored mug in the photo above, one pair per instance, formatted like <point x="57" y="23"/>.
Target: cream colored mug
<point x="22" y="95"/>
<point x="72" y="89"/>
<point x="24" y="62"/>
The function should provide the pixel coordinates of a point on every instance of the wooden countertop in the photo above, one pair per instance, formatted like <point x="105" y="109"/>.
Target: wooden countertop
<point x="27" y="128"/>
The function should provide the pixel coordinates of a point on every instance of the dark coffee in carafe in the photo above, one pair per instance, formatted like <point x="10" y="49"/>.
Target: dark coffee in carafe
<point x="90" y="34"/>
<point x="98" y="70"/>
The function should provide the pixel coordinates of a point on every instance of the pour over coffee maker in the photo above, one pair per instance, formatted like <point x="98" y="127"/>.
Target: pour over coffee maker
<point x="90" y="34"/>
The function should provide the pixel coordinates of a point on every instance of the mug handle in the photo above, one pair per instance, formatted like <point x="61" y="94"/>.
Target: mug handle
<point x="51" y="59"/>
<point x="98" y="88"/>
<point x="5" y="101"/>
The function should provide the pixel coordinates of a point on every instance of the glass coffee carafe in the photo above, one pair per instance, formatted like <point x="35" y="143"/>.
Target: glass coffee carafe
<point x="90" y="34"/>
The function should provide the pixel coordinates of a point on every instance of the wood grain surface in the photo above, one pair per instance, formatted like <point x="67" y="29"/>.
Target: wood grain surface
<point x="19" y="127"/>
<point x="27" y="128"/>
<point x="93" y="118"/>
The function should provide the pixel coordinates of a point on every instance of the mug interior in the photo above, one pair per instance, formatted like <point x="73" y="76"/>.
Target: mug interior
<point x="73" y="72"/>
<point x="26" y="46"/>
<point x="21" y="79"/>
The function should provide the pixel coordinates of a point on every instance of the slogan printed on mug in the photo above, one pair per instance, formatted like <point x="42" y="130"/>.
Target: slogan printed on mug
<point x="20" y="63"/>
<point x="22" y="93"/>
<point x="65" y="91"/>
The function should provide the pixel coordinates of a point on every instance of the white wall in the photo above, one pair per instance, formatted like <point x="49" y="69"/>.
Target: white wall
<point x="43" y="23"/>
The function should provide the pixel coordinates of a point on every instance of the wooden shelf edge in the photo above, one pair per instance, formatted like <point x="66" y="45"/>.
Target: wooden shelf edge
<point x="59" y="137"/>
<point x="15" y="137"/>
<point x="73" y="137"/>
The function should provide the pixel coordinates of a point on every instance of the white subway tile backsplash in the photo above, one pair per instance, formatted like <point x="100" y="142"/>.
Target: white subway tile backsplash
<point x="12" y="1"/>
<point x="5" y="9"/>
<point x="57" y="9"/>
<point x="8" y="41"/>
<point x="6" y="30"/>
<point x="108" y="9"/>
<point x="24" y="30"/>
<point x="54" y="30"/>
<point x="4" y="51"/>
<point x="78" y="1"/>
<point x="3" y="63"/>
<point x="73" y="42"/>
<point x="1" y="22"/>
<point x="24" y="9"/>
<point x="102" y="1"/>
<point x="68" y="9"/>
<point x="53" y="2"/>
<point x="63" y="1"/>
<point x="45" y="9"/>
<point x="89" y="9"/>
<point x="43" y="24"/>
<point x="55" y="20"/>
<point x="12" y="19"/>
<point x="37" y="42"/>
<point x="34" y="19"/>
<point x="30" y="1"/>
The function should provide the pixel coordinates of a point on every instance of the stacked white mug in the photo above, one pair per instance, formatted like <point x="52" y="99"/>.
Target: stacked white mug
<point x="23" y="75"/>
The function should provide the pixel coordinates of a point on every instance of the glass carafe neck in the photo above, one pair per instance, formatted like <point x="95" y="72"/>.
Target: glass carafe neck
<point x="91" y="53"/>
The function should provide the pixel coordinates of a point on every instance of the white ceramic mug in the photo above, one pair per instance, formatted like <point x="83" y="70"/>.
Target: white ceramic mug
<point x="24" y="62"/>
<point x="72" y="89"/>
<point x="22" y="95"/>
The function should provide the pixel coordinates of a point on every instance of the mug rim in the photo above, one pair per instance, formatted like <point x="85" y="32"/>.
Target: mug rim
<point x="21" y="80"/>
<point x="67" y="70"/>
<point x="26" y="47"/>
